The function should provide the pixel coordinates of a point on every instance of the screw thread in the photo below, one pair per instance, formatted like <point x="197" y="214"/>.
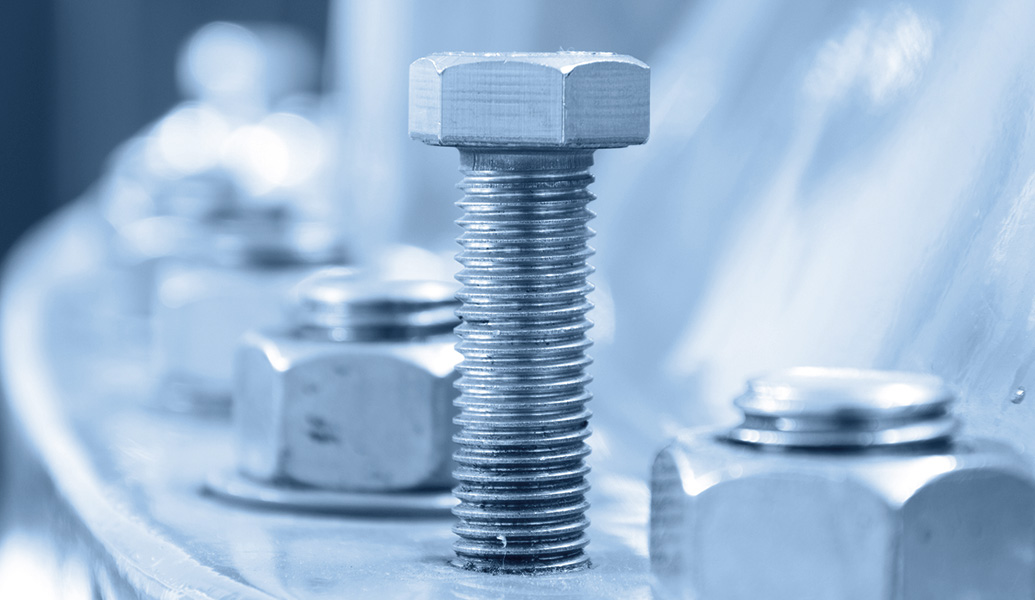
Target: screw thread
<point x="521" y="474"/>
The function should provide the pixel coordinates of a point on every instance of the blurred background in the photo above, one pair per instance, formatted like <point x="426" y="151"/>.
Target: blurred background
<point x="80" y="78"/>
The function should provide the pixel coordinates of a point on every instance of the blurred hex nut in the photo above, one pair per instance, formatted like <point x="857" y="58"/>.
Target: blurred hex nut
<point x="842" y="484"/>
<point x="355" y="392"/>
<point x="561" y="99"/>
<point x="203" y="304"/>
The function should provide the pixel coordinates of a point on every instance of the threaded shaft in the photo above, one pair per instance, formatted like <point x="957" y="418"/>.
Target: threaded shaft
<point x="521" y="473"/>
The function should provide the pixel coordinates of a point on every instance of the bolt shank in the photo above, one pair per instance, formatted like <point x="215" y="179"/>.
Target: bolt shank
<point x="521" y="472"/>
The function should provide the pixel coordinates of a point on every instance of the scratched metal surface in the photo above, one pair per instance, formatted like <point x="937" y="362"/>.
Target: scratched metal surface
<point x="77" y="382"/>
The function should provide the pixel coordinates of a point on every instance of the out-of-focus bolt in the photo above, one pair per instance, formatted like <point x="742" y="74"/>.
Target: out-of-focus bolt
<point x="246" y="68"/>
<point x="204" y="304"/>
<point x="842" y="484"/>
<point x="526" y="126"/>
<point x="354" y="392"/>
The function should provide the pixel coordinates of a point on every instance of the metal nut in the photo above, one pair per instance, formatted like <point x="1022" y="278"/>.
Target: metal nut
<point x="738" y="515"/>
<point x="200" y="314"/>
<point x="355" y="393"/>
<point x="204" y="304"/>
<point x="559" y="99"/>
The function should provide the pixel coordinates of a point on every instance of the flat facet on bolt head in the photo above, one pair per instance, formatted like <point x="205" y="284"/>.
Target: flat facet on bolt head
<point x="530" y="100"/>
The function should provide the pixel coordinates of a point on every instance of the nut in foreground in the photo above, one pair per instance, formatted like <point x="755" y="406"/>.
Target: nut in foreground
<point x="842" y="484"/>
<point x="355" y="392"/>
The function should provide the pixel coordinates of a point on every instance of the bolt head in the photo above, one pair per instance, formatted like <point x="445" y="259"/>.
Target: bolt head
<point x="346" y="416"/>
<point x="735" y="521"/>
<point x="530" y="100"/>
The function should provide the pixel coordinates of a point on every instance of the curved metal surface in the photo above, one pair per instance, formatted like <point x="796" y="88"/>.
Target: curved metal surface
<point x="133" y="475"/>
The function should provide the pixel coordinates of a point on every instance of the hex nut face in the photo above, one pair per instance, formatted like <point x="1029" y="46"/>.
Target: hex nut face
<point x="730" y="522"/>
<point x="363" y="416"/>
<point x="567" y="99"/>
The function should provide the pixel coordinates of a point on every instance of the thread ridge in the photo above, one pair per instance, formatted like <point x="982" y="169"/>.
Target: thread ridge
<point x="521" y="471"/>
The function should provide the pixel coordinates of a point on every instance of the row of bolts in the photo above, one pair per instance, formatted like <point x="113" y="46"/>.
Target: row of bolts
<point x="526" y="125"/>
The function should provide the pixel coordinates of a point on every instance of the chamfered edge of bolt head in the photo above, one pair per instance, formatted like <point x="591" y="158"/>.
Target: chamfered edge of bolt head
<point x="530" y="100"/>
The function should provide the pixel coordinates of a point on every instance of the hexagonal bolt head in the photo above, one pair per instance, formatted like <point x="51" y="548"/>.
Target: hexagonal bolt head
<point x="530" y="100"/>
<point x="355" y="392"/>
<point x="878" y="516"/>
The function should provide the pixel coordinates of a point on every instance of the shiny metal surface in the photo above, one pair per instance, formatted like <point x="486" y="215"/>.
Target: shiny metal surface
<point x="845" y="187"/>
<point x="812" y="407"/>
<point x="526" y="126"/>
<point x="530" y="100"/>
<point x="133" y="477"/>
<point x="359" y="403"/>
<point x="233" y="486"/>
<point x="839" y="186"/>
<point x="856" y="519"/>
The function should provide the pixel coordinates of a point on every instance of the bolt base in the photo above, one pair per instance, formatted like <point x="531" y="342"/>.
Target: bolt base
<point x="537" y="567"/>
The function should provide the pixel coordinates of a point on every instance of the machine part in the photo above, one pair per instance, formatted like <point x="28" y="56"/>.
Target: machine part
<point x="128" y="476"/>
<point x="844" y="408"/>
<point x="526" y="126"/>
<point x="203" y="306"/>
<point x="354" y="393"/>
<point x="842" y="483"/>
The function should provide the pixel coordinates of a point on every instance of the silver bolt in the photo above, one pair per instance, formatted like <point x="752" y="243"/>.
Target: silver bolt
<point x="836" y="481"/>
<point x="526" y="126"/>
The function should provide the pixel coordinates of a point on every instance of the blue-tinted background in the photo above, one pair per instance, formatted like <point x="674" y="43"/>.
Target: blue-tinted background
<point x="77" y="78"/>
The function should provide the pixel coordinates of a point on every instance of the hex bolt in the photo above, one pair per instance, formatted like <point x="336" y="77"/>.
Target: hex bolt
<point x="842" y="483"/>
<point x="526" y="126"/>
<point x="353" y="390"/>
